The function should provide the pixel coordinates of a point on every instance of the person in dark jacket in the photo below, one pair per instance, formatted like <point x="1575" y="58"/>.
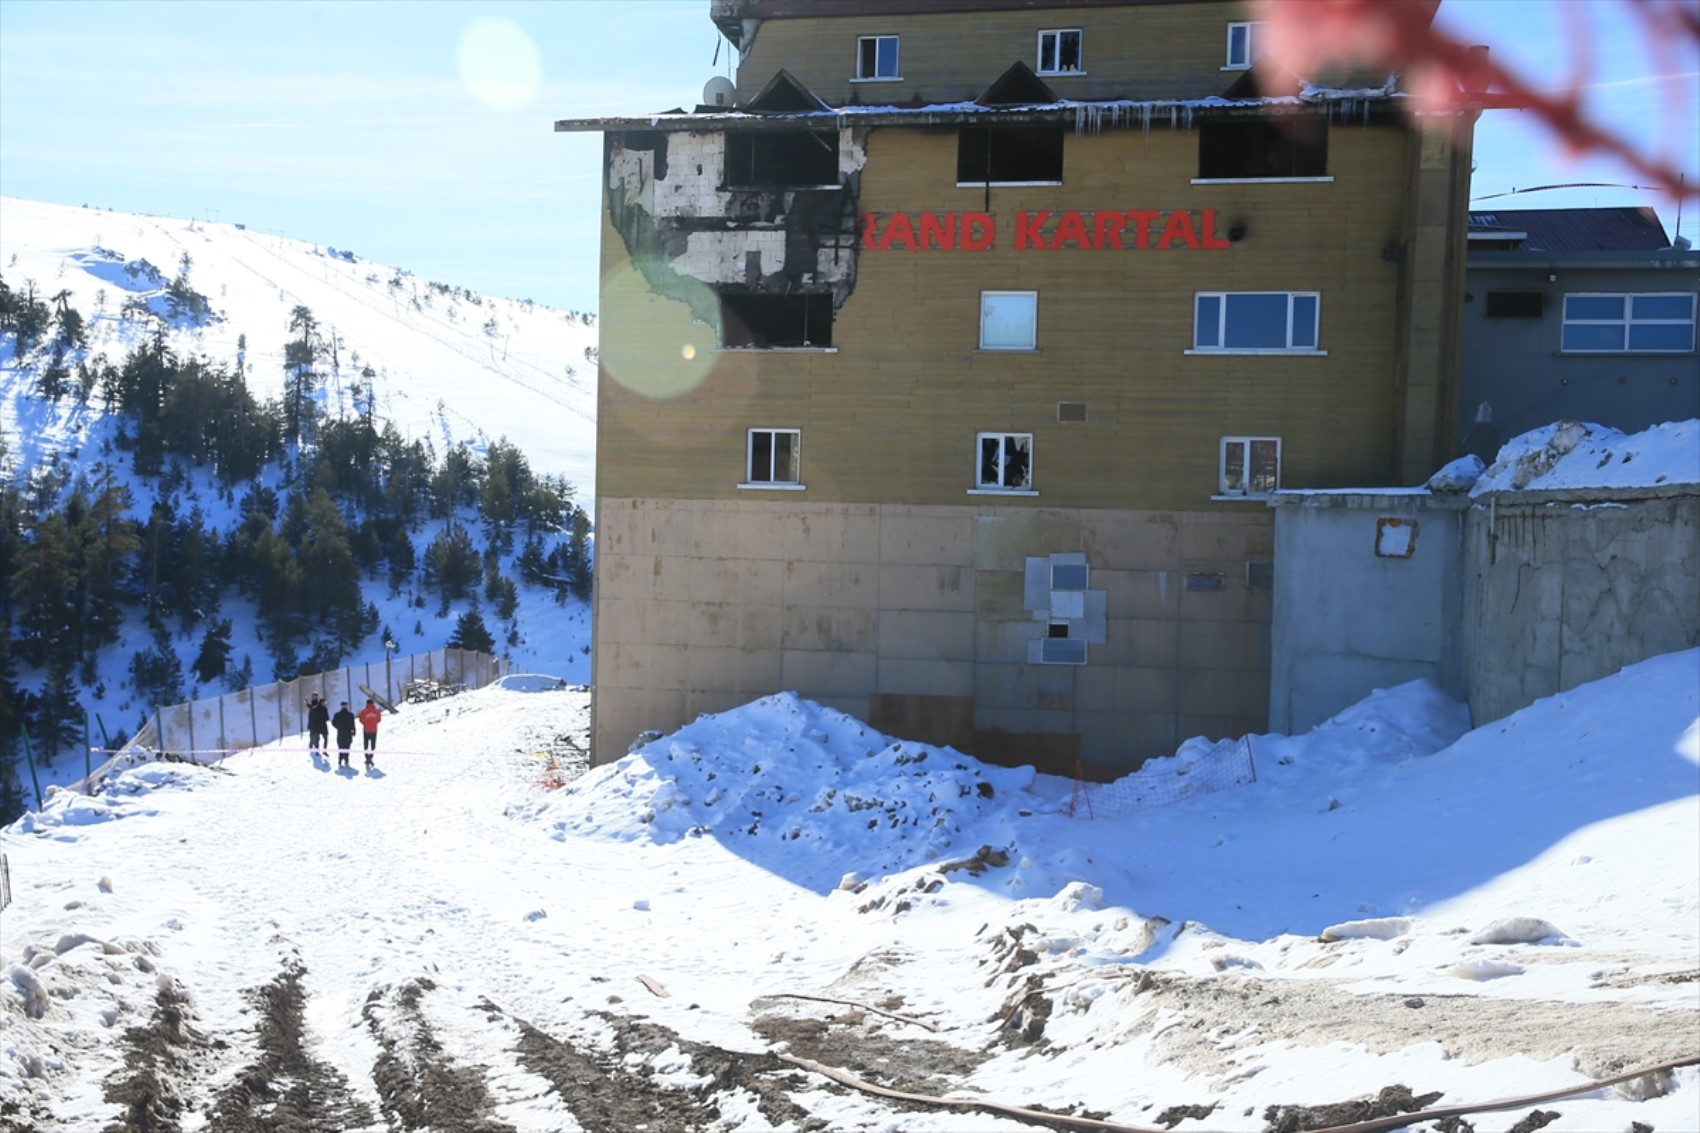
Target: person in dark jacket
<point x="318" y="724"/>
<point x="343" y="722"/>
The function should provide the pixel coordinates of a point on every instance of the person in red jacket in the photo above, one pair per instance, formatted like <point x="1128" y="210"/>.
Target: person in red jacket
<point x="369" y="717"/>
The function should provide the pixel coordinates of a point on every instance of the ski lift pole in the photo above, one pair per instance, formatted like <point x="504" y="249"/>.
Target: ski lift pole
<point x="88" y="769"/>
<point x="105" y="740"/>
<point x="29" y="757"/>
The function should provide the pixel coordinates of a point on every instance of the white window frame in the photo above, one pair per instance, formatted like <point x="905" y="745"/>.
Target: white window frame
<point x="1221" y="330"/>
<point x="1056" y="35"/>
<point x="1253" y="35"/>
<point x="1243" y="444"/>
<point x="999" y="487"/>
<point x="1032" y="341"/>
<point x="1627" y="322"/>
<point x="896" y="60"/>
<point x="770" y="483"/>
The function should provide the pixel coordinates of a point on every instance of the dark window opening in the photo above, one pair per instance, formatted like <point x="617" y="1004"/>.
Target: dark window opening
<point x="782" y="157"/>
<point x="1291" y="146"/>
<point x="767" y="321"/>
<point x="1514" y="305"/>
<point x="1058" y="629"/>
<point x="1009" y="154"/>
<point x="1260" y="574"/>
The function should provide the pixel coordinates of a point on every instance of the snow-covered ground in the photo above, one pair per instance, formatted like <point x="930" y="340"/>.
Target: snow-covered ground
<point x="1510" y="910"/>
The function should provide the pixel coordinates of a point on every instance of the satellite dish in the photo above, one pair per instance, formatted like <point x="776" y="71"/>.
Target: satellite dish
<point x="719" y="91"/>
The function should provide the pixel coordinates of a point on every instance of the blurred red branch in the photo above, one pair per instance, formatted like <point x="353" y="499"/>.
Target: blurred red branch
<point x="1311" y="37"/>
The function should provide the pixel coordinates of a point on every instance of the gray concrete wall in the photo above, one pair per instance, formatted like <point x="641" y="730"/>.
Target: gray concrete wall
<point x="1368" y="595"/>
<point x="1567" y="587"/>
<point x="1516" y="365"/>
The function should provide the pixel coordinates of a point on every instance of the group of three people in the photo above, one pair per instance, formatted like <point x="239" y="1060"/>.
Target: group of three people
<point x="320" y="721"/>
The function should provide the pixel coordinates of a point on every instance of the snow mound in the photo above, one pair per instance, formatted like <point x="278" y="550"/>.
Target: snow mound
<point x="1573" y="454"/>
<point x="786" y="778"/>
<point x="1518" y="930"/>
<point x="1375" y="928"/>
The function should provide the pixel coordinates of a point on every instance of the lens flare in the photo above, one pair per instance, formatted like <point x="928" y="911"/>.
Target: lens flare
<point x="499" y="63"/>
<point x="657" y="345"/>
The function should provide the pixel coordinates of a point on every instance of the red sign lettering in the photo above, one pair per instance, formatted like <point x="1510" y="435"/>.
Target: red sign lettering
<point x="978" y="230"/>
<point x="1103" y="230"/>
<point x="1030" y="230"/>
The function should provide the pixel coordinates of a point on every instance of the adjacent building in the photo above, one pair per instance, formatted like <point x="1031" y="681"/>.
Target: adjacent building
<point x="1576" y="314"/>
<point x="950" y="355"/>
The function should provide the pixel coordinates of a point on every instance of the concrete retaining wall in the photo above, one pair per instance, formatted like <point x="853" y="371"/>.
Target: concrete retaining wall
<point x="1368" y="593"/>
<point x="1501" y="600"/>
<point x="1567" y="587"/>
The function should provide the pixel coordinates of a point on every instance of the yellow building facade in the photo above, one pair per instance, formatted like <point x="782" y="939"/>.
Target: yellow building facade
<point x="949" y="358"/>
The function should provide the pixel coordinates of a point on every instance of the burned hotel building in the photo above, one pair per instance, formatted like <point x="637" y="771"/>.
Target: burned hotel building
<point x="950" y="354"/>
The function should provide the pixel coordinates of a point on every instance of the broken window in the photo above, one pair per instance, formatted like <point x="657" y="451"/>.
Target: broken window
<point x="1514" y="305"/>
<point x="876" y="58"/>
<point x="1237" y="149"/>
<point x="1005" y="462"/>
<point x="1251" y="466"/>
<point x="782" y="157"/>
<point x="1009" y="155"/>
<point x="774" y="457"/>
<point x="762" y="322"/>
<point x="1059" y="52"/>
<point x="1009" y="320"/>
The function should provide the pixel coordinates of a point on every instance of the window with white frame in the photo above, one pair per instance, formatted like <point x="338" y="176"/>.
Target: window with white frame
<point x="1250" y="466"/>
<point x="1004" y="462"/>
<point x="1256" y="322"/>
<point x="1059" y="52"/>
<point x="1654" y="323"/>
<point x="876" y="58"/>
<point x="1245" y="44"/>
<point x="774" y="457"/>
<point x="1009" y="320"/>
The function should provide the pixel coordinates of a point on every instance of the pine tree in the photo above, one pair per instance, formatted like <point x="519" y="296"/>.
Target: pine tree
<point x="300" y="354"/>
<point x="471" y="633"/>
<point x="213" y="660"/>
<point x="59" y="718"/>
<point x="452" y="564"/>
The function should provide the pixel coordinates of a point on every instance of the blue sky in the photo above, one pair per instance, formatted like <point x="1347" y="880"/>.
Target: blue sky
<point x="420" y="134"/>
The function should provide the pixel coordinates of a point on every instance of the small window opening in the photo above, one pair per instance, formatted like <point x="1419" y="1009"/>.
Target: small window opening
<point x="1235" y="149"/>
<point x="1006" y="461"/>
<point x="1009" y="155"/>
<point x="1514" y="305"/>
<point x="876" y="57"/>
<point x="1059" y="52"/>
<point x="773" y="456"/>
<point x="1058" y="629"/>
<point x="768" y="321"/>
<point x="1071" y="412"/>
<point x="782" y="157"/>
<point x="1245" y="44"/>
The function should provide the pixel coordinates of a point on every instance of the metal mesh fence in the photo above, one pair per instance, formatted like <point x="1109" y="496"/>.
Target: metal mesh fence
<point x="1225" y="766"/>
<point x="207" y="730"/>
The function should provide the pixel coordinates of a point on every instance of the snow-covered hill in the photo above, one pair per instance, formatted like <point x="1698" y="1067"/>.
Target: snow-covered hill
<point x="447" y="365"/>
<point x="455" y="942"/>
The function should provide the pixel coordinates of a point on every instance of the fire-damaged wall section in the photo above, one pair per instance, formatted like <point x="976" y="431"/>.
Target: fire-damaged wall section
<point x="726" y="209"/>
